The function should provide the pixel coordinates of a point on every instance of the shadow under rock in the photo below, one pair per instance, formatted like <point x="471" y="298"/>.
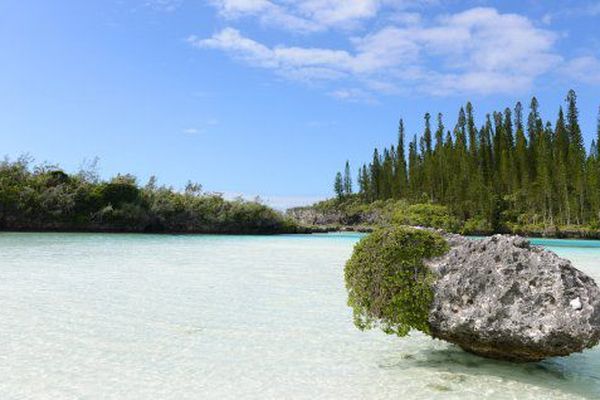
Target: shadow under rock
<point x="578" y="374"/>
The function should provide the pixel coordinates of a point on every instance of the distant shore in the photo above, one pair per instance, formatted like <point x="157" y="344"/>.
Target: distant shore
<point x="298" y="229"/>
<point x="44" y="198"/>
<point x="589" y="235"/>
<point x="133" y="230"/>
<point x="335" y="216"/>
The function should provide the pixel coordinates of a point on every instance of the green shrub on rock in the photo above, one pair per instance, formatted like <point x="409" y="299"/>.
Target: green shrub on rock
<point x="388" y="284"/>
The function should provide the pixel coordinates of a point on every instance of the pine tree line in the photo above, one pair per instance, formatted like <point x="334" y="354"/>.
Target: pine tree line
<point x="511" y="170"/>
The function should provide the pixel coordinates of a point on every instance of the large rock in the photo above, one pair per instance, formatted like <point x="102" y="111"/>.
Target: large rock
<point x="502" y="298"/>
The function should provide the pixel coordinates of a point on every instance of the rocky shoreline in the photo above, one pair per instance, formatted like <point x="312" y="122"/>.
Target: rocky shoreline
<point x="319" y="221"/>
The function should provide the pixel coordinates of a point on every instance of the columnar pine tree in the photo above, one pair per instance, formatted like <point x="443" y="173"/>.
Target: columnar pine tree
<point x="401" y="165"/>
<point x="338" y="185"/>
<point x="576" y="158"/>
<point x="506" y="173"/>
<point x="347" y="180"/>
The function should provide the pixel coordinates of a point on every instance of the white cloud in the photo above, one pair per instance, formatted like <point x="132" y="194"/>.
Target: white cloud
<point x="592" y="9"/>
<point x="211" y="122"/>
<point x="478" y="50"/>
<point x="584" y="69"/>
<point x="547" y="19"/>
<point x="294" y="62"/>
<point x="266" y="11"/>
<point x="373" y="53"/>
<point x="241" y="7"/>
<point x="310" y="15"/>
<point x="577" y="9"/>
<point x="354" y="95"/>
<point x="333" y="12"/>
<point x="406" y="18"/>
<point x="164" y="5"/>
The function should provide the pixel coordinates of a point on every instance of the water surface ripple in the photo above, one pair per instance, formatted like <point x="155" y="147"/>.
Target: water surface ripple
<point x="93" y="316"/>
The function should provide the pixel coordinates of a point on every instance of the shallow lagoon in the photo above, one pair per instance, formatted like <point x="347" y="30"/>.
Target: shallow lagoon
<point x="228" y="317"/>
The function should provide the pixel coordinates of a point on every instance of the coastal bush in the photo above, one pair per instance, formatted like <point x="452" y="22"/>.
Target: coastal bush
<point x="388" y="284"/>
<point x="46" y="198"/>
<point x="56" y="177"/>
<point x="121" y="189"/>
<point x="476" y="225"/>
<point x="428" y="215"/>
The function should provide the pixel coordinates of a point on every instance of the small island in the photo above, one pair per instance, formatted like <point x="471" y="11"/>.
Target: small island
<point x="515" y="174"/>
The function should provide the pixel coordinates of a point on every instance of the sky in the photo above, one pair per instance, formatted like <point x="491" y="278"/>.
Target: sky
<point x="271" y="97"/>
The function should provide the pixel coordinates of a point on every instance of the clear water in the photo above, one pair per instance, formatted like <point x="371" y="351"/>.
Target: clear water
<point x="91" y="316"/>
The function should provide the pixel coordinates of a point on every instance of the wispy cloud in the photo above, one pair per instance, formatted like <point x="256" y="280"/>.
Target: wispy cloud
<point x="584" y="69"/>
<point x="593" y="9"/>
<point x="202" y="128"/>
<point x="308" y="15"/>
<point x="164" y="5"/>
<point x="579" y="9"/>
<point x="479" y="50"/>
<point x="321" y="124"/>
<point x="354" y="95"/>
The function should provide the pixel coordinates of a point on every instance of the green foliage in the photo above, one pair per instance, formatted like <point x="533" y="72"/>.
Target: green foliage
<point x="347" y="180"/>
<point x="511" y="172"/>
<point x="119" y="191"/>
<point x="47" y="198"/>
<point x="388" y="284"/>
<point x="428" y="215"/>
<point x="476" y="226"/>
<point x="338" y="185"/>
<point x="56" y="177"/>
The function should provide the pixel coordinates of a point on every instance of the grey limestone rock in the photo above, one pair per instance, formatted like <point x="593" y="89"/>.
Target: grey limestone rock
<point x="501" y="297"/>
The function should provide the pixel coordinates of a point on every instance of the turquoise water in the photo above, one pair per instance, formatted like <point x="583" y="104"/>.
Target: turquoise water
<point x="93" y="316"/>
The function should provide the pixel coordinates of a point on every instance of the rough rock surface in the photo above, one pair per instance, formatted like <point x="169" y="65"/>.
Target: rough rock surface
<point x="503" y="298"/>
<point x="312" y="216"/>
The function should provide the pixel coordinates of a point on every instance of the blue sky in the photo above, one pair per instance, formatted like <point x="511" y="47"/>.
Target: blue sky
<point x="267" y="97"/>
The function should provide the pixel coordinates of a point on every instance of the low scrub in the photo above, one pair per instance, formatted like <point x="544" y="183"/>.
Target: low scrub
<point x="427" y="215"/>
<point x="46" y="198"/>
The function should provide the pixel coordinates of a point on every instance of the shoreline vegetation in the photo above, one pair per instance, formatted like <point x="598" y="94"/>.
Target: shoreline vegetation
<point x="44" y="198"/>
<point x="515" y="174"/>
<point x="353" y="215"/>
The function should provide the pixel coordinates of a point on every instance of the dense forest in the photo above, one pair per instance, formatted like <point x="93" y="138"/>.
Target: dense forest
<point x="44" y="197"/>
<point x="514" y="171"/>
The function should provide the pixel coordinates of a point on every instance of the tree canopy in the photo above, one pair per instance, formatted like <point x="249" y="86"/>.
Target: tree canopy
<point x="45" y="197"/>
<point x="513" y="170"/>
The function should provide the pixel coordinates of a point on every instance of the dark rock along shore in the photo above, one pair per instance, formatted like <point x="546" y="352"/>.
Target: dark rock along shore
<point x="502" y="298"/>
